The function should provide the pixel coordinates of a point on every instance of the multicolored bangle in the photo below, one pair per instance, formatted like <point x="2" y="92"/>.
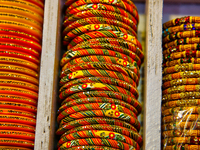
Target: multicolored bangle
<point x="181" y="61"/>
<point x="86" y="147"/>
<point x="182" y="103"/>
<point x="173" y="118"/>
<point x="185" y="95"/>
<point x="181" y="133"/>
<point x="182" y="146"/>
<point x="181" y="126"/>
<point x="182" y="140"/>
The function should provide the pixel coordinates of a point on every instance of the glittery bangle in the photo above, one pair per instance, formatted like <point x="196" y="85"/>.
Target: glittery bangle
<point x="182" y="147"/>
<point x="92" y="100"/>
<point x="182" y="103"/>
<point x="97" y="141"/>
<point x="38" y="3"/>
<point x="17" y="112"/>
<point x="13" y="148"/>
<point x="185" y="95"/>
<point x="179" y="35"/>
<point x="101" y="65"/>
<point x="181" y="126"/>
<point x="101" y="6"/>
<point x="181" y="89"/>
<point x="179" y="133"/>
<point x="98" y="20"/>
<point x="114" y="42"/>
<point x="103" y="34"/>
<point x="182" y="20"/>
<point x="17" y="134"/>
<point x="17" y="142"/>
<point x="98" y="134"/>
<point x="181" y="140"/>
<point x="182" y="27"/>
<point x="95" y="120"/>
<point x="94" y="106"/>
<point x="86" y="147"/>
<point x="181" y="75"/>
<point x="173" y="118"/>
<point x="130" y="133"/>
<point x="176" y="42"/>
<point x="71" y="55"/>
<point x="109" y="94"/>
<point x="96" y="73"/>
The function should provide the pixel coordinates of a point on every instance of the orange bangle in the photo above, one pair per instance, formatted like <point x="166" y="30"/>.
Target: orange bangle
<point x="181" y="125"/>
<point x="183" y="102"/>
<point x="172" y="118"/>
<point x="178" y="133"/>
<point x="181" y="61"/>
<point x="185" y="95"/>
<point x="181" y="140"/>
<point x="182" y="147"/>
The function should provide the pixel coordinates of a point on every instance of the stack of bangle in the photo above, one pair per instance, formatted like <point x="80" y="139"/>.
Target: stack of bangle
<point x="100" y="72"/>
<point x="181" y="84"/>
<point x="21" y="27"/>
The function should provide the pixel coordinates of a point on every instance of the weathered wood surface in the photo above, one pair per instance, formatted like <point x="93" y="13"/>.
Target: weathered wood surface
<point x="153" y="75"/>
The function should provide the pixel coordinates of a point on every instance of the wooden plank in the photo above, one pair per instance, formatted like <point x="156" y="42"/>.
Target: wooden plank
<point x="45" y="126"/>
<point x="153" y="75"/>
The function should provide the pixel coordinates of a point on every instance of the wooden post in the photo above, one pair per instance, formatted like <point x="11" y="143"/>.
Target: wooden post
<point x="153" y="75"/>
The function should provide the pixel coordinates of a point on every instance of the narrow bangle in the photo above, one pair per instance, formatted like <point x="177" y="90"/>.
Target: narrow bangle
<point x="181" y="125"/>
<point x="182" y="103"/>
<point x="176" y="96"/>
<point x="174" y="118"/>
<point x="179" y="133"/>
<point x="181" y="61"/>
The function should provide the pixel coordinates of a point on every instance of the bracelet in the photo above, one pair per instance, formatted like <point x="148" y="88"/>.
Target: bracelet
<point x="174" y="118"/>
<point x="185" y="95"/>
<point x="99" y="42"/>
<point x="181" y="89"/>
<point x="86" y="147"/>
<point x="182" y="27"/>
<point x="181" y="61"/>
<point x="182" y="20"/>
<point x="181" y="126"/>
<point x="181" y="147"/>
<point x="176" y="42"/>
<point x="97" y="20"/>
<point x="180" y="133"/>
<point x="181" y="35"/>
<point x="182" y="102"/>
<point x="99" y="100"/>
<point x="181" y="140"/>
<point x="176" y="82"/>
<point x="180" y="110"/>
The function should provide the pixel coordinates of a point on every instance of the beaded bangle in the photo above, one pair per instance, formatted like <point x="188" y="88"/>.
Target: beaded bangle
<point x="191" y="40"/>
<point x="125" y="4"/>
<point x="182" y="147"/>
<point x="97" y="20"/>
<point x="181" y="75"/>
<point x="179" y="35"/>
<point x="130" y="20"/>
<point x="92" y="100"/>
<point x="100" y="58"/>
<point x="180" y="133"/>
<point x="102" y="6"/>
<point x="180" y="110"/>
<point x="185" y="95"/>
<point x="113" y="128"/>
<point x="107" y="94"/>
<point x="181" y="61"/>
<point x="182" y="20"/>
<point x="95" y="106"/>
<point x="181" y="126"/>
<point x="113" y="42"/>
<point x="91" y="73"/>
<point x="182" y="140"/>
<point x="105" y="113"/>
<point x="98" y="134"/>
<point x="103" y="34"/>
<point x="102" y="65"/>
<point x="17" y="142"/>
<point x="86" y="147"/>
<point x="70" y="55"/>
<point x="98" y="142"/>
<point x="181" y="89"/>
<point x="95" y="120"/>
<point x="172" y="118"/>
<point x="182" y="102"/>
<point x="182" y="27"/>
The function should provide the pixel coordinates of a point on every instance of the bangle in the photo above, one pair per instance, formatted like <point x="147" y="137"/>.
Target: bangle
<point x="180" y="110"/>
<point x="101" y="6"/>
<point x="86" y="147"/>
<point x="181" y="89"/>
<point x="181" y="75"/>
<point x="98" y="20"/>
<point x="185" y="95"/>
<point x="182" y="146"/>
<point x="130" y="20"/>
<point x="108" y="94"/>
<point x="181" y="126"/>
<point x="176" y="42"/>
<point x="111" y="43"/>
<point x="180" y="133"/>
<point x="39" y="3"/>
<point x="99" y="142"/>
<point x="20" y="113"/>
<point x="69" y="55"/>
<point x="181" y="35"/>
<point x="103" y="34"/>
<point x="99" y="100"/>
<point x="182" y="27"/>
<point x="181" y="61"/>
<point x="125" y="4"/>
<point x="182" y="20"/>
<point x="182" y="102"/>
<point x="181" y="140"/>
<point x="17" y="142"/>
<point x="173" y="118"/>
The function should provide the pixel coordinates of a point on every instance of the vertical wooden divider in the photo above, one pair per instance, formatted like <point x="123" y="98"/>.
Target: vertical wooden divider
<point x="153" y="75"/>
<point x="48" y="87"/>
